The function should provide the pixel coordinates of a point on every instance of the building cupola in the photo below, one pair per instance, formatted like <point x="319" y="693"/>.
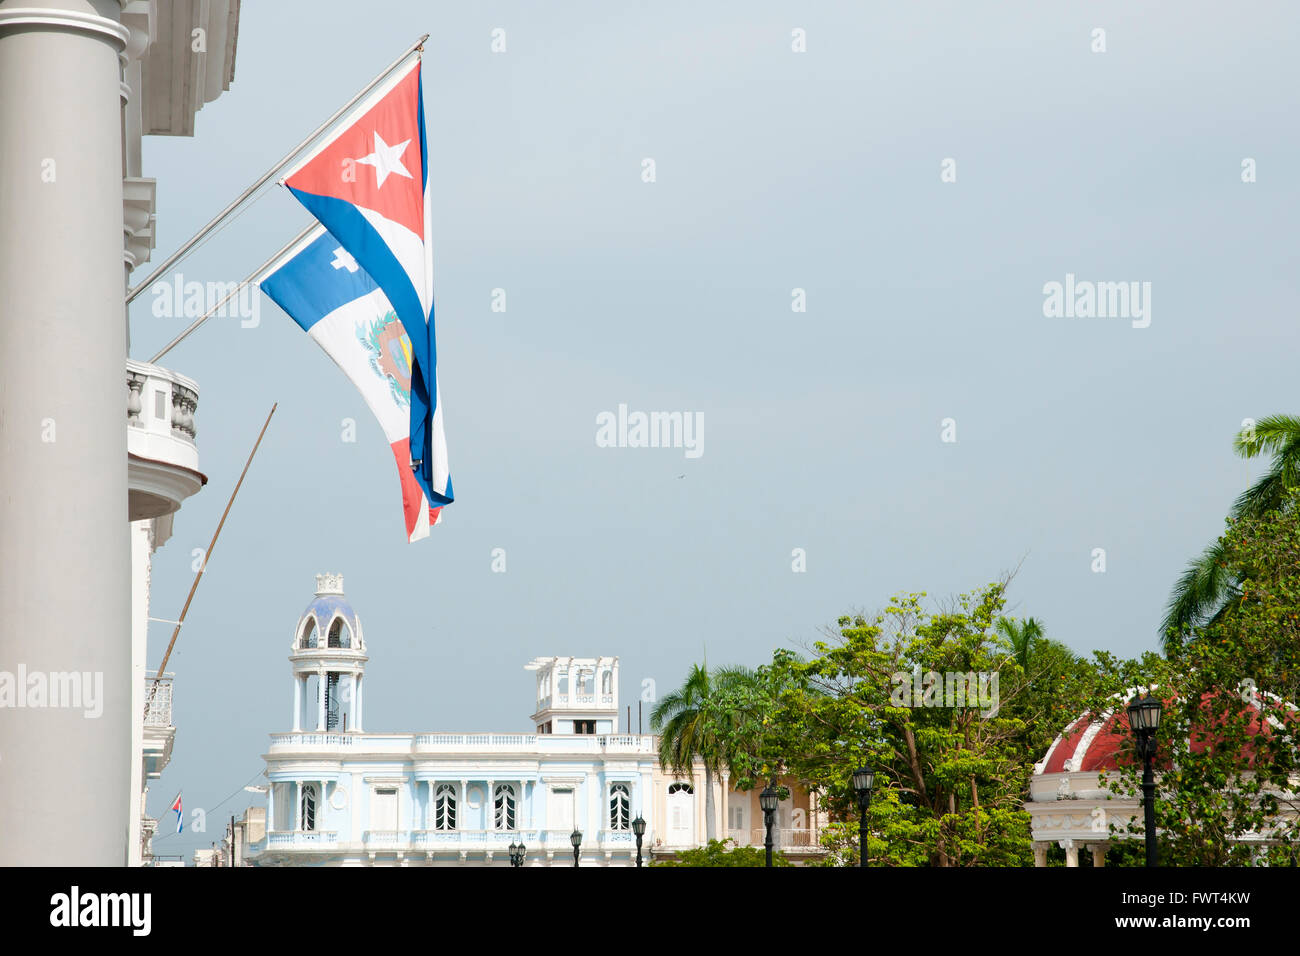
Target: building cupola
<point x="328" y="656"/>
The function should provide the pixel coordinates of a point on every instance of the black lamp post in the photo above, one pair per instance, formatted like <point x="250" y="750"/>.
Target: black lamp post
<point x="517" y="853"/>
<point x="1144" y="718"/>
<point x="638" y="827"/>
<point x="576" y="839"/>
<point x="864" y="778"/>
<point x="768" y="800"/>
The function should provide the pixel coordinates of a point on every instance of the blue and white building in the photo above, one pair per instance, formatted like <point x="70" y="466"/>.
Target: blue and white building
<point x="340" y="795"/>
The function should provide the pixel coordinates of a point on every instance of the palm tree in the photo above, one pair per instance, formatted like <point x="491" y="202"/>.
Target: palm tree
<point x="1022" y="635"/>
<point x="686" y="721"/>
<point x="1208" y="588"/>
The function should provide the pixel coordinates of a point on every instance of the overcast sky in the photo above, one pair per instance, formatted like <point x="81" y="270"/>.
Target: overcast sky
<point x="775" y="170"/>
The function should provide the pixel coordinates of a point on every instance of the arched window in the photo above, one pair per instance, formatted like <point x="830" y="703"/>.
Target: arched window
<point x="505" y="806"/>
<point x="308" y="638"/>
<point x="309" y="806"/>
<point x="680" y="788"/>
<point x="340" y="635"/>
<point x="620" y="807"/>
<point x="444" y="807"/>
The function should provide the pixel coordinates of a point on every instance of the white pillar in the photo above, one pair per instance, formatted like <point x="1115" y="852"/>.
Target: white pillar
<point x="270" y="806"/>
<point x="358" y="708"/>
<point x="141" y="550"/>
<point x="1071" y="852"/>
<point x="320" y="700"/>
<point x="296" y="793"/>
<point x="1098" y="854"/>
<point x="489" y="816"/>
<point x="1040" y="854"/>
<point x="64" y="550"/>
<point x="725" y="825"/>
<point x="297" y="703"/>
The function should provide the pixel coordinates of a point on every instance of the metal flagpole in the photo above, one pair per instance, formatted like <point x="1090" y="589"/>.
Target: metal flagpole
<point x="269" y="174"/>
<point x="249" y="281"/>
<point x="208" y="554"/>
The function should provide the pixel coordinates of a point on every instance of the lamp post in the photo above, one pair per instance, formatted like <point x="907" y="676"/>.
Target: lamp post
<point x="1144" y="718"/>
<point x="768" y="800"/>
<point x="638" y="827"/>
<point x="576" y="839"/>
<point x="517" y="853"/>
<point x="864" y="778"/>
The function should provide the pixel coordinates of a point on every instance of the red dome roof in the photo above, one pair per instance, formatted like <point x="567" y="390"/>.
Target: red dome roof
<point x="1100" y="743"/>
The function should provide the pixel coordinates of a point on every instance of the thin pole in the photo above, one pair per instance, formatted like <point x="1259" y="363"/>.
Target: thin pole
<point x="270" y="173"/>
<point x="217" y="308"/>
<point x="208" y="554"/>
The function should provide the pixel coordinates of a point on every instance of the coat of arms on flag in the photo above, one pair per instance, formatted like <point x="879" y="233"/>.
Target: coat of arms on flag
<point x="343" y="309"/>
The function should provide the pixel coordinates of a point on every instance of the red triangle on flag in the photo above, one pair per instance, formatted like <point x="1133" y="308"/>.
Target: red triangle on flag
<point x="375" y="162"/>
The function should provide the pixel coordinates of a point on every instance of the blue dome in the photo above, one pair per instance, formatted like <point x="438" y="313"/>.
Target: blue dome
<point x="329" y="620"/>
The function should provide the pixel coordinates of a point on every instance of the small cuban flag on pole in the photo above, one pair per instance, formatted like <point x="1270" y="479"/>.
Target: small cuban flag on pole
<point x="180" y="817"/>
<point x="335" y="301"/>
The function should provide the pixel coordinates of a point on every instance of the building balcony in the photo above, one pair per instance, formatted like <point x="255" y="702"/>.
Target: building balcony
<point x="787" y="838"/>
<point x="435" y="744"/>
<point x="162" y="457"/>
<point x="159" y="732"/>
<point x="298" y="840"/>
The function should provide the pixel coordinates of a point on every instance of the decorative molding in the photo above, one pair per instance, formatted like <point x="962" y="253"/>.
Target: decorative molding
<point x="73" y="21"/>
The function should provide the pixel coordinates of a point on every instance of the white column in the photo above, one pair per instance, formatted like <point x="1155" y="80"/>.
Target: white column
<point x="297" y="703"/>
<point x="1071" y="852"/>
<point x="270" y="806"/>
<point x="320" y="700"/>
<point x="296" y="793"/>
<point x="65" y="569"/>
<point x="358" y="707"/>
<point x="725" y="824"/>
<point x="490" y="819"/>
<point x="141" y="547"/>
<point x="1040" y="854"/>
<point x="1098" y="854"/>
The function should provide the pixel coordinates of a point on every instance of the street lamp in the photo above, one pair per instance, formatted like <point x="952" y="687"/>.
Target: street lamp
<point x="638" y="827"/>
<point x="517" y="853"/>
<point x="576" y="839"/>
<point x="864" y="778"/>
<point x="768" y="800"/>
<point x="1144" y="718"/>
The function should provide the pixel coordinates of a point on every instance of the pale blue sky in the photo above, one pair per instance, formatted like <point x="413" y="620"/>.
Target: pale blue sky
<point x="775" y="170"/>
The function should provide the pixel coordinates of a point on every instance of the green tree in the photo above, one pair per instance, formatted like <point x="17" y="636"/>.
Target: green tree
<point x="693" y="722"/>
<point x="1022" y="636"/>
<point x="950" y="780"/>
<point x="725" y="853"/>
<point x="1227" y="739"/>
<point x="1207" y="589"/>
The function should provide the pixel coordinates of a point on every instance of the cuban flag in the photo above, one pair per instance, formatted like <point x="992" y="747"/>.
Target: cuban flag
<point x="322" y="288"/>
<point x="180" y="817"/>
<point x="367" y="183"/>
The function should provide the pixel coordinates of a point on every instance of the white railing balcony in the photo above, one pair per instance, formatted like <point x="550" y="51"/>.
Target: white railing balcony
<point x="302" y="839"/>
<point x="163" y="460"/>
<point x="472" y="839"/>
<point x="157" y="700"/>
<point x="471" y="743"/>
<point x="782" y="838"/>
<point x="432" y="744"/>
<point x="387" y="839"/>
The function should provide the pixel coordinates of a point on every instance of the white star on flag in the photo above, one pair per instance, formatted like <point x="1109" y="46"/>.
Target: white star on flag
<point x="386" y="159"/>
